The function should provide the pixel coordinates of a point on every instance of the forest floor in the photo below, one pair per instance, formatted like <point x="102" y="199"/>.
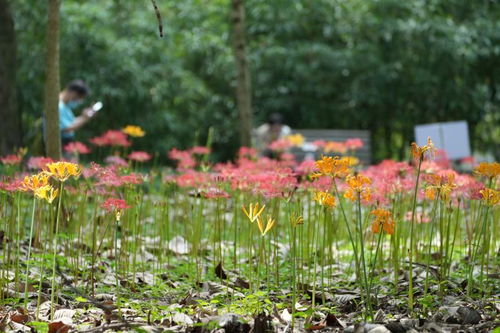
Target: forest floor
<point x="154" y="298"/>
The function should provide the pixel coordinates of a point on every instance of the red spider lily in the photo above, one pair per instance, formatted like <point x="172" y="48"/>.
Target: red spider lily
<point x="280" y="145"/>
<point x="247" y="152"/>
<point x="109" y="177"/>
<point x="131" y="179"/>
<point x="112" y="138"/>
<point x="200" y="150"/>
<point x="139" y="156"/>
<point x="77" y="148"/>
<point x="193" y="179"/>
<point x="183" y="157"/>
<point x="11" y="159"/>
<point x="215" y="193"/>
<point x="99" y="141"/>
<point x="38" y="163"/>
<point x="390" y="178"/>
<point x="307" y="167"/>
<point x="116" y="161"/>
<point x="335" y="147"/>
<point x="114" y="205"/>
<point x="353" y="144"/>
<point x="419" y="217"/>
<point x="12" y="185"/>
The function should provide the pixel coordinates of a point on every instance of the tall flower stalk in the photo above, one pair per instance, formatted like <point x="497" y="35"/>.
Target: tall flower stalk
<point x="418" y="153"/>
<point x="40" y="187"/>
<point x="60" y="171"/>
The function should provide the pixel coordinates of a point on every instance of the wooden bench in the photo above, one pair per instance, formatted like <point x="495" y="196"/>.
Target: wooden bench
<point x="311" y="135"/>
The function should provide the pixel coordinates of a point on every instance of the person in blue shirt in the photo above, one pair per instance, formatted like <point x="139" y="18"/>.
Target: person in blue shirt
<point x="69" y="100"/>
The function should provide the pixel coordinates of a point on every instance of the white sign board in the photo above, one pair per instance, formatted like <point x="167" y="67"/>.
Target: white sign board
<point x="452" y="137"/>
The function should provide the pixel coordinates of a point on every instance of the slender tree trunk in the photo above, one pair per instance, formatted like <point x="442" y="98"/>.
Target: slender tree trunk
<point x="10" y="118"/>
<point x="243" y="86"/>
<point x="51" y="102"/>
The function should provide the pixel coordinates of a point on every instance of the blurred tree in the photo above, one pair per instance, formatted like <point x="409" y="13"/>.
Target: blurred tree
<point x="10" y="125"/>
<point x="380" y="65"/>
<point x="243" y="86"/>
<point x="51" y="101"/>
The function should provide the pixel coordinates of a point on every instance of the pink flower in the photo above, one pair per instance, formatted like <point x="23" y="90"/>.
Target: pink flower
<point x="139" y="156"/>
<point x="38" y="163"/>
<point x="11" y="159"/>
<point x="113" y="205"/>
<point x="77" y="148"/>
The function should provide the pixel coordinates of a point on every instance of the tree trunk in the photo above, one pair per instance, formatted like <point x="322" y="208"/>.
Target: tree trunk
<point x="10" y="123"/>
<point x="243" y="88"/>
<point x="51" y="102"/>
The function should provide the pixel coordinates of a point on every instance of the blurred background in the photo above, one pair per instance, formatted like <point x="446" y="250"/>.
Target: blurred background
<point x="378" y="65"/>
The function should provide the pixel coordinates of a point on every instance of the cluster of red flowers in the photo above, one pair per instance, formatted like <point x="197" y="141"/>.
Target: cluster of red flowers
<point x="338" y="146"/>
<point x="113" y="138"/>
<point x="139" y="156"/>
<point x="110" y="177"/>
<point x="38" y="162"/>
<point x="113" y="205"/>
<point x="11" y="159"/>
<point x="77" y="148"/>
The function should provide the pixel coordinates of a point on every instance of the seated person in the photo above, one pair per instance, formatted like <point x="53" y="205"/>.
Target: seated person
<point x="272" y="130"/>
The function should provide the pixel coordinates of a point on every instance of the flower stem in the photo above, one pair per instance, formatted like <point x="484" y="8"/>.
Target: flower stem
<point x="410" y="271"/>
<point x="54" y="257"/>
<point x="29" y="254"/>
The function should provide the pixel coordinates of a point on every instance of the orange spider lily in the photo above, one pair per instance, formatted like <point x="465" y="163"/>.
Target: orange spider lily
<point x="490" y="170"/>
<point x="358" y="184"/>
<point x="383" y="218"/>
<point x="333" y="167"/>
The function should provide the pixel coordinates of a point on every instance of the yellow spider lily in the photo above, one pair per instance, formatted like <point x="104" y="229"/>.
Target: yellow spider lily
<point x="296" y="220"/>
<point x="62" y="170"/>
<point x="490" y="197"/>
<point x="134" y="131"/>
<point x="253" y="211"/>
<point x="34" y="182"/>
<point x="419" y="151"/>
<point x="269" y="225"/>
<point x="46" y="192"/>
<point x="324" y="199"/>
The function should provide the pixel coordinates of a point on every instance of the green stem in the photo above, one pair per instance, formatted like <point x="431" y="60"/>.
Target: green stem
<point x="410" y="271"/>
<point x="55" y="244"/>
<point x="29" y="254"/>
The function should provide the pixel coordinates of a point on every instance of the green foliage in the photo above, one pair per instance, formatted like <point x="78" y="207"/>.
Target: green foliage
<point x="383" y="65"/>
